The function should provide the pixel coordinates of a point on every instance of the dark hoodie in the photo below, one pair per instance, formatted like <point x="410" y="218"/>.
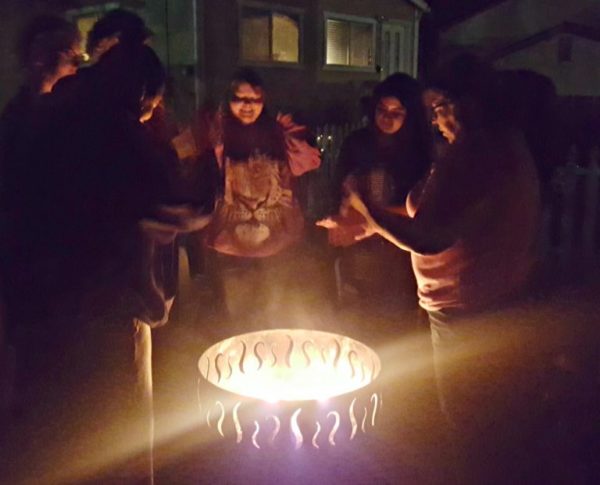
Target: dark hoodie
<point x="400" y="159"/>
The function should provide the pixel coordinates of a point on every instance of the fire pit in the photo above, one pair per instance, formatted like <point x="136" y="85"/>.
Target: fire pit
<point x="303" y="387"/>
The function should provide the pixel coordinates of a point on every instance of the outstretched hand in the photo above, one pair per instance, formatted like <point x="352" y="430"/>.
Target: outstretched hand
<point x="353" y="224"/>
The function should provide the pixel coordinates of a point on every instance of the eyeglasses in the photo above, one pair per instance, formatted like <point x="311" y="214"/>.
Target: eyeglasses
<point x="443" y="108"/>
<point x="252" y="101"/>
<point x="73" y="58"/>
<point x="393" y="115"/>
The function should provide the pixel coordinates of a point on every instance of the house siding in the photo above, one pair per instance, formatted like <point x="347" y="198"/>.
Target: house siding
<point x="315" y="94"/>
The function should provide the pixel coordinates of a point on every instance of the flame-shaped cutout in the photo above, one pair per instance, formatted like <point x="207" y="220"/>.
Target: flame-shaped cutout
<point x="208" y="418"/>
<point x="221" y="418"/>
<point x="352" y="370"/>
<point x="364" y="421"/>
<point x="353" y="419"/>
<point x="255" y="434"/>
<point x="243" y="357"/>
<point x="372" y="369"/>
<point x="218" y="359"/>
<point x="335" y="426"/>
<point x="375" y="401"/>
<point x="380" y="401"/>
<point x="305" y="352"/>
<point x="288" y="354"/>
<point x="324" y="355"/>
<point x="338" y="351"/>
<point x="273" y="354"/>
<point x="314" y="440"/>
<point x="229" y="366"/>
<point x="277" y="427"/>
<point x="236" y="422"/>
<point x="207" y="375"/>
<point x="260" y="359"/>
<point x="362" y="372"/>
<point x="296" y="429"/>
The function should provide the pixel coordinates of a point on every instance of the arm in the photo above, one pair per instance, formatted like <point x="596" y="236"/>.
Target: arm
<point x="302" y="156"/>
<point x="411" y="234"/>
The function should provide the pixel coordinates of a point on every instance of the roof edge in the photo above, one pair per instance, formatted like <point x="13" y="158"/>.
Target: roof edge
<point x="578" y="30"/>
<point x="421" y="4"/>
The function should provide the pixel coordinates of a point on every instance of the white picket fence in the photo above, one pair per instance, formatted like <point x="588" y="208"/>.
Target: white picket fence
<point x="570" y="236"/>
<point x="329" y="140"/>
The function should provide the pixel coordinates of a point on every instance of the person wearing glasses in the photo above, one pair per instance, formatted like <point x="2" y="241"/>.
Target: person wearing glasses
<point x="257" y="159"/>
<point x="471" y="231"/>
<point x="381" y="162"/>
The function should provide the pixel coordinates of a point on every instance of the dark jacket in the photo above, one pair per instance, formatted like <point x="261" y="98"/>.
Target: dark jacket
<point x="368" y="155"/>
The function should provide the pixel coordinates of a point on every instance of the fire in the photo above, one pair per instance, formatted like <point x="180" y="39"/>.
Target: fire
<point x="291" y="366"/>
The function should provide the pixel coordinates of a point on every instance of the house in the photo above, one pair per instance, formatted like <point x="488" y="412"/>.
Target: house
<point x="316" y="56"/>
<point x="313" y="54"/>
<point x="556" y="38"/>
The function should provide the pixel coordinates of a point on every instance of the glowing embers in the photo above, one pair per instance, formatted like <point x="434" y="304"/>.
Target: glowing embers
<point x="300" y="386"/>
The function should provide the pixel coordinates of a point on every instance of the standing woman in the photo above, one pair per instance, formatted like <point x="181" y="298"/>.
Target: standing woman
<point x="257" y="215"/>
<point x="382" y="162"/>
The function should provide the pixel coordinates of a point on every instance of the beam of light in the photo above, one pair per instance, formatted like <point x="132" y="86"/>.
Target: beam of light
<point x="415" y="363"/>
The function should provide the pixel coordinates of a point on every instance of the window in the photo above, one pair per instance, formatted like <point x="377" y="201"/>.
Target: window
<point x="349" y="42"/>
<point x="86" y="17"/>
<point x="270" y="35"/>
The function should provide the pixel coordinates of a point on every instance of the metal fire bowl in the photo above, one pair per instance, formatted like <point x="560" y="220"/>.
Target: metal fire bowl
<point x="289" y="387"/>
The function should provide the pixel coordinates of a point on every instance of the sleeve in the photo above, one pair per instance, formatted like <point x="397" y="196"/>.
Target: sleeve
<point x="302" y="157"/>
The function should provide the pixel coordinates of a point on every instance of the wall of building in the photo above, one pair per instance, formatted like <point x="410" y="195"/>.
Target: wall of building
<point x="579" y="76"/>
<point x="176" y="43"/>
<point x="198" y="40"/>
<point x="313" y="93"/>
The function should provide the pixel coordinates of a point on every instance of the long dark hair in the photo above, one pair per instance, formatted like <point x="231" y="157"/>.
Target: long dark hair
<point x="414" y="135"/>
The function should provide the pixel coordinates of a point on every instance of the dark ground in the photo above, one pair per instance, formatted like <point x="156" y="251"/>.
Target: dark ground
<point x="553" y="438"/>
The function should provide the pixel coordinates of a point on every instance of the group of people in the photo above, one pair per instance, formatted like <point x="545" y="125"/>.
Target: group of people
<point x="470" y="225"/>
<point x="93" y="201"/>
